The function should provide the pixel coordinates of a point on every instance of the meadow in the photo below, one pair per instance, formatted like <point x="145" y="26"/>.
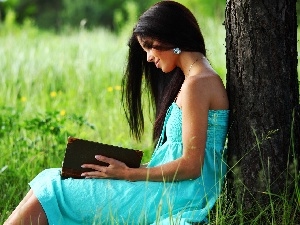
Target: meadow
<point x="54" y="86"/>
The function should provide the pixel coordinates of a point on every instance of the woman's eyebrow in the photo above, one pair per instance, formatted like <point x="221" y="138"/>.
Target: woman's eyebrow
<point x="147" y="44"/>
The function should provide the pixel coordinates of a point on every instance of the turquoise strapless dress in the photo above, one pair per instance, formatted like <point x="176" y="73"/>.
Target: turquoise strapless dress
<point x="107" y="201"/>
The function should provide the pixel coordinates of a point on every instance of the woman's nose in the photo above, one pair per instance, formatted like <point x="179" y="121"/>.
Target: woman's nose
<point x="149" y="57"/>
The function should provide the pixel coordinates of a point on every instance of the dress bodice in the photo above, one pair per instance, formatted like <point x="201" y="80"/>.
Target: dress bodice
<point x="172" y="129"/>
<point x="217" y="123"/>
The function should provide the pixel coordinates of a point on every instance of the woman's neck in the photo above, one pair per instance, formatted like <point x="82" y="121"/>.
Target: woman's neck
<point x="190" y="62"/>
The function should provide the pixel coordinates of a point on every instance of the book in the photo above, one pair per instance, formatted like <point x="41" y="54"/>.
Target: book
<point x="79" y="151"/>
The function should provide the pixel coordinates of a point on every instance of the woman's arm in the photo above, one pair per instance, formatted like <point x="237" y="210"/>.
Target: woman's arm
<point x="174" y="170"/>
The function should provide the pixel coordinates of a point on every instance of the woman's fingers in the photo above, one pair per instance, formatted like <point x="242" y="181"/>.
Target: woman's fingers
<point x="94" y="167"/>
<point x="99" y="171"/>
<point x="112" y="171"/>
<point x="94" y="174"/>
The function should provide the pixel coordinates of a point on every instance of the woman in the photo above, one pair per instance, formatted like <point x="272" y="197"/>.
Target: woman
<point x="182" y="181"/>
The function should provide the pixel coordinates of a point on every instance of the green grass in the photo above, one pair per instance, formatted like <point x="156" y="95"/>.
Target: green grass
<point x="53" y="86"/>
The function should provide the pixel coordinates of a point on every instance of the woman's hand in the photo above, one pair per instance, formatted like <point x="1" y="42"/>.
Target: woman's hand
<point x="116" y="169"/>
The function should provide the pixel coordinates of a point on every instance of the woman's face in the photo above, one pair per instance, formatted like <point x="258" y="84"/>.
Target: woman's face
<point x="163" y="59"/>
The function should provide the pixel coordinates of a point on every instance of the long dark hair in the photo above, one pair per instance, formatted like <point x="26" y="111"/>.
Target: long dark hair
<point x="172" y="25"/>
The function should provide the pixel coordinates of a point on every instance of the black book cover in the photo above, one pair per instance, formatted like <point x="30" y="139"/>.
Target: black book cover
<point x="79" y="151"/>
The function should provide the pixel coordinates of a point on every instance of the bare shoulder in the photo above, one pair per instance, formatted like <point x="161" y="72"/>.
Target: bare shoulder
<point x="203" y="80"/>
<point x="206" y="89"/>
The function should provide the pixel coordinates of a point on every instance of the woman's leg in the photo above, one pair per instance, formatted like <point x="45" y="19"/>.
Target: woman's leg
<point x="29" y="211"/>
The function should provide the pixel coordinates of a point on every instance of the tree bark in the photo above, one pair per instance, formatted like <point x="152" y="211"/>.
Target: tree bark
<point x="263" y="89"/>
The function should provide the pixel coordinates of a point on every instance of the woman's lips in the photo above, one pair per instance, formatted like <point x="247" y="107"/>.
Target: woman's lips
<point x="156" y="63"/>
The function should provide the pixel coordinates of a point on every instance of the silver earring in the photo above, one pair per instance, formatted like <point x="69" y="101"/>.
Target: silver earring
<point x="177" y="51"/>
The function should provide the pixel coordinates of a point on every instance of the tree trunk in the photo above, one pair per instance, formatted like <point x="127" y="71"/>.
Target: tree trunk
<point x="262" y="84"/>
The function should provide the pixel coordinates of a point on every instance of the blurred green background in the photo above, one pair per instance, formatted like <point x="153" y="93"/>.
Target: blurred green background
<point x="59" y="14"/>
